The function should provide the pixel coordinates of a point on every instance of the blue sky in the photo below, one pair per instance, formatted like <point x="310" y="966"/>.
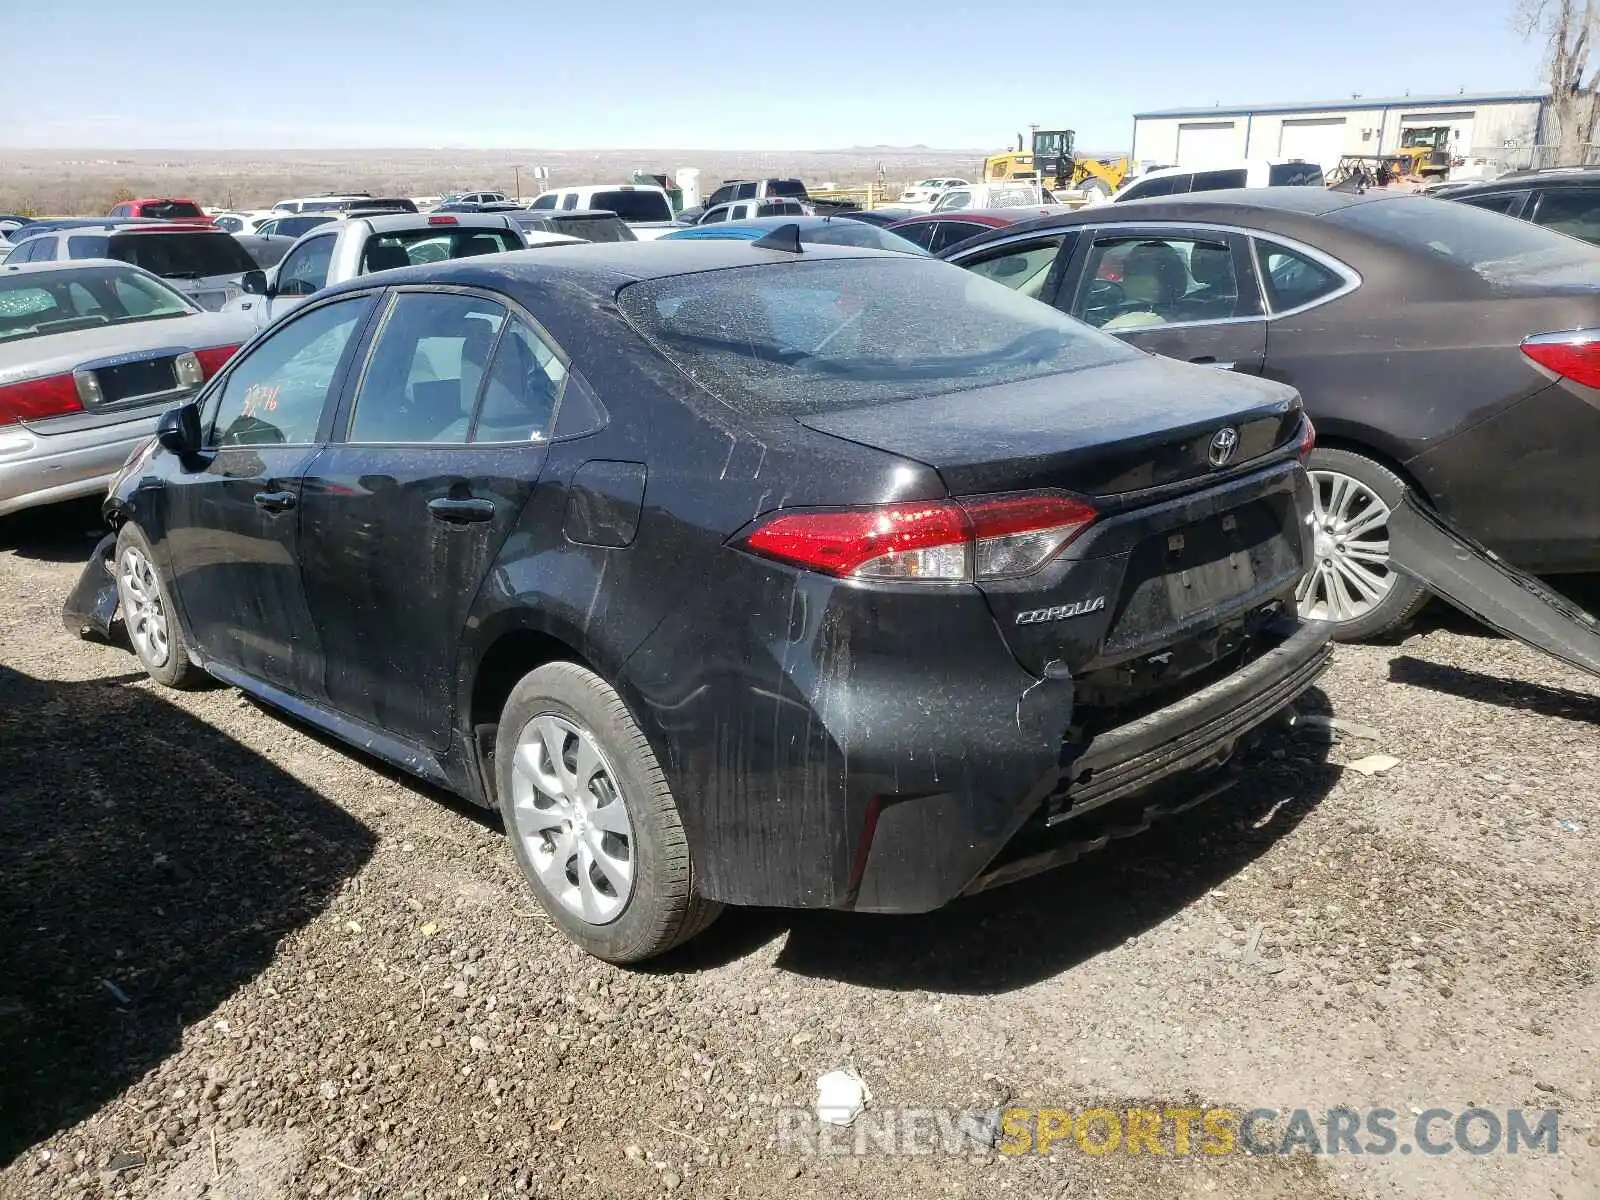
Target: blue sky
<point x="627" y="74"/>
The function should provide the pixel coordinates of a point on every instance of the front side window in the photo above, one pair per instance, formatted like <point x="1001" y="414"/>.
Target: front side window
<point x="421" y="383"/>
<point x="827" y="334"/>
<point x="548" y="200"/>
<point x="1131" y="282"/>
<point x="1166" y="185"/>
<point x="720" y="213"/>
<point x="305" y="271"/>
<point x="275" y="395"/>
<point x="956" y="199"/>
<point x="1023" y="267"/>
<point x="1291" y="175"/>
<point x="921" y="233"/>
<point x="1293" y="279"/>
<point x="721" y="196"/>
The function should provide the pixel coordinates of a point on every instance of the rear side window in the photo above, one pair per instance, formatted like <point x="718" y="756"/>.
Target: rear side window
<point x="87" y="247"/>
<point x="1292" y="279"/>
<point x="1507" y="202"/>
<point x="1212" y="181"/>
<point x="920" y="234"/>
<point x="1575" y="213"/>
<point x="522" y="391"/>
<point x="421" y="383"/>
<point x="950" y="233"/>
<point x="1483" y="242"/>
<point x="1291" y="175"/>
<point x="829" y="334"/>
<point x="182" y="255"/>
<point x="1167" y="185"/>
<point x="634" y="206"/>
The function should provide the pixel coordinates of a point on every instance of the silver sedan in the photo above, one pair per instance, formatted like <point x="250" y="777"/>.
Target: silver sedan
<point x="91" y="353"/>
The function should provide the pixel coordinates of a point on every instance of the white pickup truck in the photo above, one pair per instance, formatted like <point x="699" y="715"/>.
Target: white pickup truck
<point x="342" y="250"/>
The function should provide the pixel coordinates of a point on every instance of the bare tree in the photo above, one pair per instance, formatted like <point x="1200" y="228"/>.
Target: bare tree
<point x="1568" y="29"/>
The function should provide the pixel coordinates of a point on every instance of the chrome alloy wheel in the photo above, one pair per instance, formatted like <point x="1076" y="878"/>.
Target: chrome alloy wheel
<point x="1350" y="575"/>
<point x="569" y="813"/>
<point x="142" y="610"/>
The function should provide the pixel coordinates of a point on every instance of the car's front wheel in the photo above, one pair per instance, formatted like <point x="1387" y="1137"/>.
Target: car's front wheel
<point x="1352" y="582"/>
<point x="592" y="821"/>
<point x="148" y="614"/>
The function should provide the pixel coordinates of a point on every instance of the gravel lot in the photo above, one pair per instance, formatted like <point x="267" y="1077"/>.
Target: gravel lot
<point x="239" y="961"/>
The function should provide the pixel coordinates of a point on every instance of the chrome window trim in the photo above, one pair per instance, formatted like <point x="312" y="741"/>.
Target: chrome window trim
<point x="1352" y="278"/>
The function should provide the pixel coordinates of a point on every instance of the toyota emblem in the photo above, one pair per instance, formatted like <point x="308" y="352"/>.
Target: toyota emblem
<point x="1223" y="443"/>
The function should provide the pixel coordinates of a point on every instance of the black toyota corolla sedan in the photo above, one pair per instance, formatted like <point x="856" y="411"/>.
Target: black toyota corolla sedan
<point x="1435" y="344"/>
<point x="733" y="573"/>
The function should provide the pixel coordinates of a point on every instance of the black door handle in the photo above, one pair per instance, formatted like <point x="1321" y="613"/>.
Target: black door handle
<point x="461" y="512"/>
<point x="275" y="502"/>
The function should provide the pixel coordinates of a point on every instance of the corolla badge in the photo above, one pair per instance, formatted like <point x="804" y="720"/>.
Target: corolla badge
<point x="1038" y="616"/>
<point x="1223" y="444"/>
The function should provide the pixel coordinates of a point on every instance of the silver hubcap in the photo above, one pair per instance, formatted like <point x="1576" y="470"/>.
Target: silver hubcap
<point x="142" y="609"/>
<point x="569" y="814"/>
<point x="1350" y="575"/>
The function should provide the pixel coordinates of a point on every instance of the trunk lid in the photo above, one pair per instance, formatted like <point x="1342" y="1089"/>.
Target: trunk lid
<point x="1122" y="427"/>
<point x="1189" y="559"/>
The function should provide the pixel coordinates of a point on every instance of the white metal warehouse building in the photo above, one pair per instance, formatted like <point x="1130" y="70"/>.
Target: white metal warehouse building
<point x="1501" y="126"/>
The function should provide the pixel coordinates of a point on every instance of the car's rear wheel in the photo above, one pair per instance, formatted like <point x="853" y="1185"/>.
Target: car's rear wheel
<point x="148" y="614"/>
<point x="1352" y="582"/>
<point x="592" y="821"/>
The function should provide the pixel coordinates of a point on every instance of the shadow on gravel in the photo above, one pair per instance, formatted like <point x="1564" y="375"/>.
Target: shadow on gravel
<point x="1491" y="689"/>
<point x="55" y="533"/>
<point x="149" y="866"/>
<point x="1018" y="935"/>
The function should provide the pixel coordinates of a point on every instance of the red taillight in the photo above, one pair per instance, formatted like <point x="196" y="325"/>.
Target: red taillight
<point x="1308" y="436"/>
<point x="34" y="399"/>
<point x="975" y="538"/>
<point x="443" y="221"/>
<point x="211" y="359"/>
<point x="1574" y="355"/>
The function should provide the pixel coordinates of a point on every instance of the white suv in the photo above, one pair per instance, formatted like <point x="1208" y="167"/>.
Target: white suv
<point x="1250" y="173"/>
<point x="644" y="207"/>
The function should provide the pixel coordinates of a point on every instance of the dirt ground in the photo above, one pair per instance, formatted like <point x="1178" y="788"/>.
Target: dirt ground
<point x="238" y="961"/>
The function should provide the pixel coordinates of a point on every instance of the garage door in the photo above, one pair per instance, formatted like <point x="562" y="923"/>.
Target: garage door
<point x="1319" y="140"/>
<point x="1206" y="143"/>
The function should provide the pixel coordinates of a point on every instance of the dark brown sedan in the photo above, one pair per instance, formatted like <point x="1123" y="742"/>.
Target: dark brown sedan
<point x="1435" y="344"/>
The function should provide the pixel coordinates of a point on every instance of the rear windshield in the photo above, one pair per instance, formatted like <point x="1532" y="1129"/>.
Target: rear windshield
<point x="391" y="250"/>
<point x="592" y="229"/>
<point x="1497" y="248"/>
<point x="1294" y="175"/>
<point x="45" y="302"/>
<point x="295" y="226"/>
<point x="166" y="210"/>
<point x="787" y="187"/>
<point x="831" y="334"/>
<point x="633" y="206"/>
<point x="182" y="255"/>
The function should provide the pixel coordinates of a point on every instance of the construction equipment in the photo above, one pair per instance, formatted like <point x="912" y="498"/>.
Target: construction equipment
<point x="1358" y="172"/>
<point x="1428" y="149"/>
<point x="1052" y="162"/>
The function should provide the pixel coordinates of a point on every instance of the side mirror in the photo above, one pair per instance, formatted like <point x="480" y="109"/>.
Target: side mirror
<point x="179" y="429"/>
<point x="253" y="283"/>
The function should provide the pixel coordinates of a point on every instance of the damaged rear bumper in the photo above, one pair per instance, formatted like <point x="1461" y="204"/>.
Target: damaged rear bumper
<point x="92" y="606"/>
<point x="1166" y="759"/>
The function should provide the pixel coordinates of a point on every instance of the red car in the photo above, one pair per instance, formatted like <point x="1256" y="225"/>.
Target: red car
<point x="177" y="209"/>
<point x="937" y="232"/>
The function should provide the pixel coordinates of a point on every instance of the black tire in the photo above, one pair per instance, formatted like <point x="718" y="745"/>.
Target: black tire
<point x="664" y="908"/>
<point x="1405" y="597"/>
<point x="172" y="668"/>
<point x="1094" y="188"/>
